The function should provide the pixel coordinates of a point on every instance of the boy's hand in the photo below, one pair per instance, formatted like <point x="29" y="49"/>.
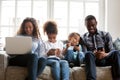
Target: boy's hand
<point x="77" y="48"/>
<point x="68" y="44"/>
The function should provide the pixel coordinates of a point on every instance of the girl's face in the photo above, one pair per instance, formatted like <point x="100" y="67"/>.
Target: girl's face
<point x="52" y="37"/>
<point x="29" y="28"/>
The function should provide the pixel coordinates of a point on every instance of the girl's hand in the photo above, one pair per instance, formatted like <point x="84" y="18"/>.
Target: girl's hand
<point x="57" y="52"/>
<point x="51" y="52"/>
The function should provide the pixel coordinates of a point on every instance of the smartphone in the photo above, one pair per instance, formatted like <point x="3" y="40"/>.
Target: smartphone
<point x="99" y="48"/>
<point x="77" y="45"/>
<point x="74" y="49"/>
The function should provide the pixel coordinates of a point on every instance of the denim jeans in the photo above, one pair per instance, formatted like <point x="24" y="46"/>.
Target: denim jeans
<point x="60" y="69"/>
<point x="113" y="59"/>
<point x="34" y="66"/>
<point x="70" y="57"/>
<point x="42" y="62"/>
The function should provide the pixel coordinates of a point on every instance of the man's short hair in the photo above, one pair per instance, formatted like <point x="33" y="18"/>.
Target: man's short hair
<point x="90" y="17"/>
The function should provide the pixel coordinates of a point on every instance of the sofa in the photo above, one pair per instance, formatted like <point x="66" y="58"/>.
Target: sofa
<point x="19" y="73"/>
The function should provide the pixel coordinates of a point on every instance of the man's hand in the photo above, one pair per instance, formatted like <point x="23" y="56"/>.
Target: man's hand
<point x="100" y="53"/>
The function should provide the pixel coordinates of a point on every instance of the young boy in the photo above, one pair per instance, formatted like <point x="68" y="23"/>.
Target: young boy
<point x="73" y="51"/>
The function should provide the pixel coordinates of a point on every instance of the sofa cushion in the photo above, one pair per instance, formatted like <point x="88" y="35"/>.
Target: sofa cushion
<point x="47" y="75"/>
<point x="76" y="73"/>
<point x="103" y="73"/>
<point x="20" y="73"/>
<point x="3" y="64"/>
<point x="16" y="73"/>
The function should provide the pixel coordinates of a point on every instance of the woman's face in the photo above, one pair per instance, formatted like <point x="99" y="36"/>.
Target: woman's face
<point x="52" y="37"/>
<point x="29" y="28"/>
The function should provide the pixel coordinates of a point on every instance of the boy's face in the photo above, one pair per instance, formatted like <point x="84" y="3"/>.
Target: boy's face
<point x="52" y="37"/>
<point x="74" y="40"/>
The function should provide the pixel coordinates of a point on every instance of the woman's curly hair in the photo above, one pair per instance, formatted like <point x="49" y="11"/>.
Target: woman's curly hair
<point x="35" y="33"/>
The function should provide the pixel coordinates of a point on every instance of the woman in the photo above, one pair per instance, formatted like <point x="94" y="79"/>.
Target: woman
<point x="34" y="62"/>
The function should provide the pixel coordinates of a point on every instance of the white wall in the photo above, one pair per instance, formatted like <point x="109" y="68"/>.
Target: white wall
<point x="113" y="18"/>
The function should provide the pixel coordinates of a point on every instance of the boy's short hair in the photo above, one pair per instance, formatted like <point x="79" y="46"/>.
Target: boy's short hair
<point x="73" y="34"/>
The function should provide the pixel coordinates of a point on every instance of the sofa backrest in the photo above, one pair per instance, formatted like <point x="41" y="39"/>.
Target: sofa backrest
<point x="116" y="44"/>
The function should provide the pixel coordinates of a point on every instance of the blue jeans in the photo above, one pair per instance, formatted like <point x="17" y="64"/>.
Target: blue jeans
<point x="34" y="66"/>
<point x="70" y="57"/>
<point x="42" y="62"/>
<point x="60" y="69"/>
<point x="113" y="59"/>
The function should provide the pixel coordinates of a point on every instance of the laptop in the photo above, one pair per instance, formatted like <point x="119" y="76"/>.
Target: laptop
<point x="18" y="45"/>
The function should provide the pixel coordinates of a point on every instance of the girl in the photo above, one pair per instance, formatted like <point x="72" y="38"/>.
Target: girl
<point x="53" y="52"/>
<point x="33" y="61"/>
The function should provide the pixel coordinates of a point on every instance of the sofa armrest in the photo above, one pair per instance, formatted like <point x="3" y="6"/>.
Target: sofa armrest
<point x="3" y="64"/>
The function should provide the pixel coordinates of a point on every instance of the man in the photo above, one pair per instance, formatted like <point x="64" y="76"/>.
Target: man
<point x="99" y="50"/>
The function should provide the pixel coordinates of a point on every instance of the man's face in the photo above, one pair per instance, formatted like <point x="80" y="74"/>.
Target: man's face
<point x="91" y="26"/>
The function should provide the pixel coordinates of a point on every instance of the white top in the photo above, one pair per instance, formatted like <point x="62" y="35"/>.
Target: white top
<point x="36" y="43"/>
<point x="48" y="45"/>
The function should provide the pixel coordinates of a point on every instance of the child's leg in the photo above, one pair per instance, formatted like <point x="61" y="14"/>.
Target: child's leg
<point x="69" y="56"/>
<point x="55" y="67"/>
<point x="64" y="70"/>
<point x="80" y="57"/>
<point x="41" y="65"/>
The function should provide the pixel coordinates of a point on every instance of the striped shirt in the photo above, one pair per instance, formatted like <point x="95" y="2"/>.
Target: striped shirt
<point x="99" y="39"/>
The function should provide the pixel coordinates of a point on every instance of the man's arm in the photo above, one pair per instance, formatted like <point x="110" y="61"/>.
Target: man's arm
<point x="83" y="45"/>
<point x="109" y="43"/>
<point x="108" y="47"/>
